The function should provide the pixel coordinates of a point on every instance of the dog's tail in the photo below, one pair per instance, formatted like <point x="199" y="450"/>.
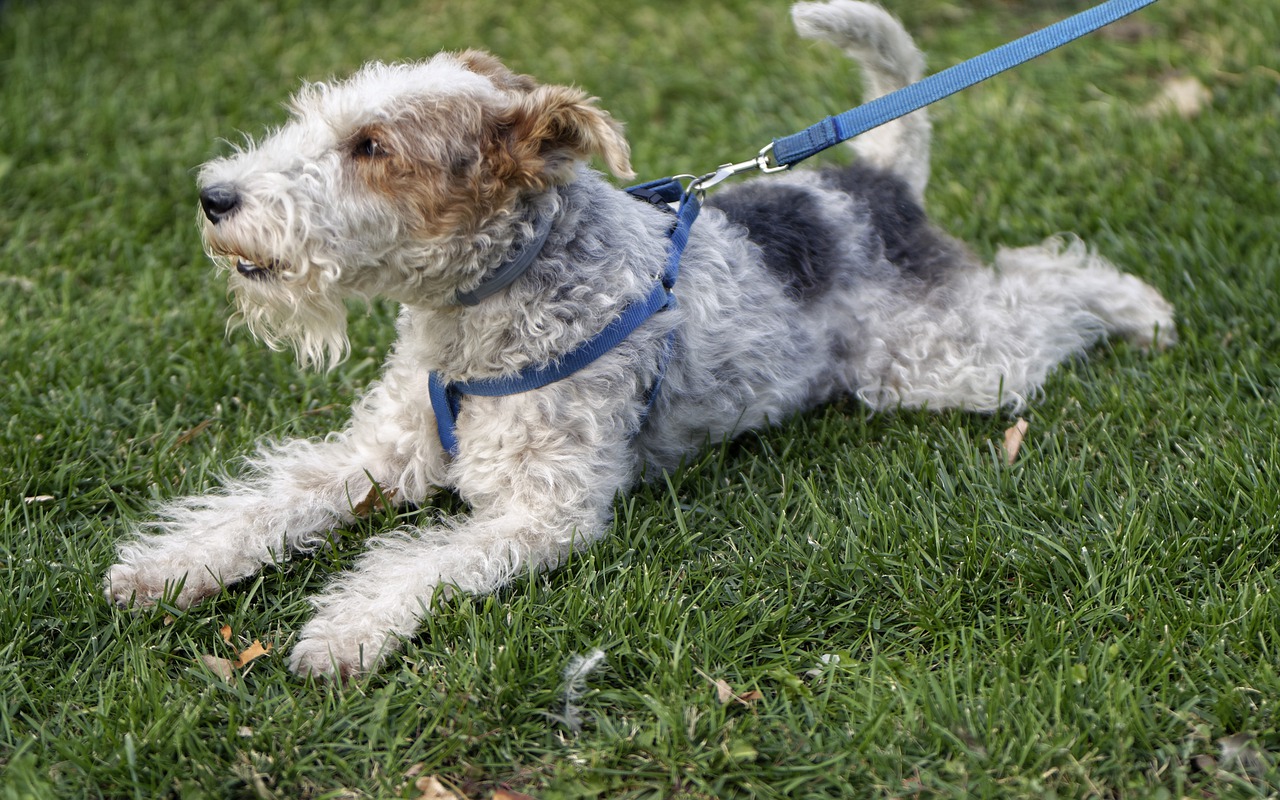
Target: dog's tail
<point x="890" y="60"/>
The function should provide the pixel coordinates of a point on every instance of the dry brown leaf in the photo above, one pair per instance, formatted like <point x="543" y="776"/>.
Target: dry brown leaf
<point x="1013" y="439"/>
<point x="409" y="774"/>
<point x="725" y="693"/>
<point x="219" y="666"/>
<point x="433" y="789"/>
<point x="414" y="771"/>
<point x="253" y="651"/>
<point x="507" y="794"/>
<point x="1238" y="749"/>
<point x="376" y="493"/>
<point x="225" y="630"/>
<point x="313" y="412"/>
<point x="749" y="698"/>
<point x="1181" y="95"/>
<point x="187" y="436"/>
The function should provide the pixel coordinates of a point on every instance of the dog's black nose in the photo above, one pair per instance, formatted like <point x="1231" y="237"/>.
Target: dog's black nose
<point x="219" y="202"/>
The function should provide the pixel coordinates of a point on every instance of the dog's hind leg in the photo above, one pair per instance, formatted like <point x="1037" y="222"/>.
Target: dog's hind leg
<point x="988" y="339"/>
<point x="890" y="60"/>
<point x="1126" y="306"/>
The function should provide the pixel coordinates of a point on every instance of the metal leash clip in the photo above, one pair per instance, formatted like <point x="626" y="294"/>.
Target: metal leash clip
<point x="762" y="162"/>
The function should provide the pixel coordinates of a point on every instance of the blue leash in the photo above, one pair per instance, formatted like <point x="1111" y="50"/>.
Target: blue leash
<point x="791" y="150"/>
<point x="781" y="154"/>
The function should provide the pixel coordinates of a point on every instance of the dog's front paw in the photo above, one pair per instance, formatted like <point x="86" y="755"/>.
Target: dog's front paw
<point x="332" y="650"/>
<point x="124" y="587"/>
<point x="140" y="586"/>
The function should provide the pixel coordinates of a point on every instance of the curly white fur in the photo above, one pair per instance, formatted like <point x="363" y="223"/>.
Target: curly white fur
<point x="414" y="181"/>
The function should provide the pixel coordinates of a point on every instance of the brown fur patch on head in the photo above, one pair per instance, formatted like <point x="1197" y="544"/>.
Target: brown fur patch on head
<point x="487" y="65"/>
<point x="426" y="160"/>
<point x="454" y="162"/>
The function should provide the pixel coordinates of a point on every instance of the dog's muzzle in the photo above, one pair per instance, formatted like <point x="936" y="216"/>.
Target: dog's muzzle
<point x="219" y="202"/>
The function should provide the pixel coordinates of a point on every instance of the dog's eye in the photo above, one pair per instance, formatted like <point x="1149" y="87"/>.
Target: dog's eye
<point x="367" y="147"/>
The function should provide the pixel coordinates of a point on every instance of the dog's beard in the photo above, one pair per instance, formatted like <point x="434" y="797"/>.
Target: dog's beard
<point x="298" y="314"/>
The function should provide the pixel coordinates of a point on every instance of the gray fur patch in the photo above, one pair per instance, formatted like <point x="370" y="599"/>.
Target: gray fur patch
<point x="911" y="242"/>
<point x="788" y="224"/>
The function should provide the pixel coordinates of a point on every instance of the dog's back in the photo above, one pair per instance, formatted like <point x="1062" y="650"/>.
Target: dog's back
<point x="799" y="249"/>
<point x="815" y="284"/>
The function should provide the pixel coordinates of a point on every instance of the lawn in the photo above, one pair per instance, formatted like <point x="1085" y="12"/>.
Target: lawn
<point x="845" y="605"/>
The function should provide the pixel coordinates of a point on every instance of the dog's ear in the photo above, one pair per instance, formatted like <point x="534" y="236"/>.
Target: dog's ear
<point x="482" y="63"/>
<point x="550" y="128"/>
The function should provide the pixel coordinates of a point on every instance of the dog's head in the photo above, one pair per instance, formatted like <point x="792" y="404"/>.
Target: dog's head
<point x="404" y="180"/>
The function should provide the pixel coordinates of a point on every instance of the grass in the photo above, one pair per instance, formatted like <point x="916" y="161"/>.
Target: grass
<point x="1097" y="620"/>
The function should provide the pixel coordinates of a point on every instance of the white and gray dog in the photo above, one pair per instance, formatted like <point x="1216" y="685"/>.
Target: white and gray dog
<point x="418" y="181"/>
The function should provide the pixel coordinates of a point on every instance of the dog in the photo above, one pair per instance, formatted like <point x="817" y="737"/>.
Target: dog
<point x="419" y="182"/>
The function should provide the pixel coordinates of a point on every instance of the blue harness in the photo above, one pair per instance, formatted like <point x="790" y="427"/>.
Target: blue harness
<point x="446" y="398"/>
<point x="781" y="154"/>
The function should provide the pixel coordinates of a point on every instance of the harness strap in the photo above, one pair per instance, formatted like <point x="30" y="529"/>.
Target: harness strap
<point x="791" y="150"/>
<point x="446" y="397"/>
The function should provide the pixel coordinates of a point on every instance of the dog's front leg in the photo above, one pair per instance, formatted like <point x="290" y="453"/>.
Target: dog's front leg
<point x="537" y="493"/>
<point x="368" y="612"/>
<point x="288" y="500"/>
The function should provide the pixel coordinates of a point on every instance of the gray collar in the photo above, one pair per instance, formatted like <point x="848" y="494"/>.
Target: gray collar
<point x="512" y="268"/>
